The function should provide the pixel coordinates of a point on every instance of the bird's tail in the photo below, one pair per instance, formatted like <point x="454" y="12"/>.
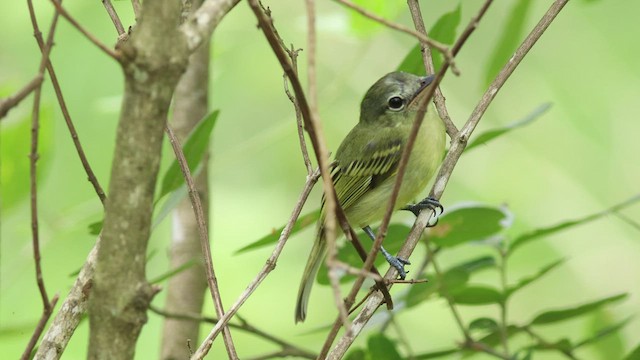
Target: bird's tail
<point x="316" y="256"/>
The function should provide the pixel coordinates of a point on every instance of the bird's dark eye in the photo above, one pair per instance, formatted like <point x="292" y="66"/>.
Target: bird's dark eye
<point x="396" y="103"/>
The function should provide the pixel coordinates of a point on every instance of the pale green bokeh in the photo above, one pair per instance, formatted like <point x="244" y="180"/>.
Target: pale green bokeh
<point x="578" y="158"/>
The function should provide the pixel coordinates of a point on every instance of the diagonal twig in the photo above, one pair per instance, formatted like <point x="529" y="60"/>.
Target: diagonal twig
<point x="446" y="52"/>
<point x="84" y="31"/>
<point x="204" y="237"/>
<point x="10" y="102"/>
<point x="427" y="59"/>
<point x="266" y="269"/>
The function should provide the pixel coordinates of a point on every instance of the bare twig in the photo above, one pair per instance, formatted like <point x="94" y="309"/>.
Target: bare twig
<point x="446" y="52"/>
<point x="47" y="305"/>
<point x="33" y="155"/>
<point x="330" y="220"/>
<point x="114" y="16"/>
<point x="458" y="145"/>
<point x="427" y="59"/>
<point x="204" y="237"/>
<point x="299" y="126"/>
<point x="46" y="314"/>
<point x="244" y="325"/>
<point x="67" y="117"/>
<point x="11" y="101"/>
<point x="84" y="32"/>
<point x="136" y="8"/>
<point x="266" y="269"/>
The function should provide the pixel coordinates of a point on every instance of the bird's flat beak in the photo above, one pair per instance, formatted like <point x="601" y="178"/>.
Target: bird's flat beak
<point x="424" y="83"/>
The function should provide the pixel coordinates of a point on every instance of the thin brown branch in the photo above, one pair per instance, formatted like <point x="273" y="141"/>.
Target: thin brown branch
<point x="136" y="8"/>
<point x="330" y="220"/>
<point x="84" y="32"/>
<point x="10" y="102"/>
<point x="446" y="52"/>
<point x="458" y="145"/>
<point x="114" y="16"/>
<point x="67" y="117"/>
<point x="266" y="269"/>
<point x="204" y="238"/>
<point x="427" y="59"/>
<point x="33" y="155"/>
<point x="244" y="325"/>
<point x="299" y="126"/>
<point x="184" y="291"/>
<point x="46" y="314"/>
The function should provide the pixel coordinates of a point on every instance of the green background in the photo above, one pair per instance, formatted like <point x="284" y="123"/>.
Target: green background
<point x="578" y="158"/>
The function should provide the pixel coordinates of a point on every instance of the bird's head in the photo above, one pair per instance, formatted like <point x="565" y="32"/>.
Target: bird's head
<point x="393" y="98"/>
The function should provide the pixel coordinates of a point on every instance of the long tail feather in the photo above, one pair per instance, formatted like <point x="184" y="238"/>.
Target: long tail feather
<point x="316" y="256"/>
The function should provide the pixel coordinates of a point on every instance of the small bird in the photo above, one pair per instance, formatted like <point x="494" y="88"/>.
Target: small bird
<point x="366" y="164"/>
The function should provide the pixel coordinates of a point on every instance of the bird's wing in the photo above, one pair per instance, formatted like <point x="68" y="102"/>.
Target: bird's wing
<point x="363" y="170"/>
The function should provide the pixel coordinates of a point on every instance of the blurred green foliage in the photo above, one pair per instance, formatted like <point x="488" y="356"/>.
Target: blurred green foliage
<point x="578" y="159"/>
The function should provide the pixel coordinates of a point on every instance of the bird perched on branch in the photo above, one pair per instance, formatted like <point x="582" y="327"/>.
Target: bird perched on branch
<point x="366" y="164"/>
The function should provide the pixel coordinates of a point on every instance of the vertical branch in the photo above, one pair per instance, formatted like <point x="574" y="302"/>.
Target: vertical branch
<point x="114" y="16"/>
<point x="330" y="201"/>
<point x="204" y="239"/>
<point x="427" y="59"/>
<point x="47" y="305"/>
<point x="185" y="290"/>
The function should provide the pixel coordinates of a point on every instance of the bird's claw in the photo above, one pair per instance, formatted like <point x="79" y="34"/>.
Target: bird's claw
<point x="398" y="263"/>
<point x="427" y="203"/>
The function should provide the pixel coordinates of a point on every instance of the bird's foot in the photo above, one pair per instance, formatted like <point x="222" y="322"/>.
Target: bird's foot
<point x="427" y="203"/>
<point x="397" y="262"/>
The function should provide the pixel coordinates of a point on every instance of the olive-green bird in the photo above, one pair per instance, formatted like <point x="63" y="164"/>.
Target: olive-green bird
<point x="366" y="164"/>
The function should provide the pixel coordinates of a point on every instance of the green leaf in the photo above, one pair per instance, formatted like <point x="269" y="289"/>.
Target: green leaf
<point x="605" y="331"/>
<point x="476" y="295"/>
<point x="509" y="39"/>
<point x="539" y="233"/>
<point x="356" y="354"/>
<point x="550" y="317"/>
<point x="484" y="324"/>
<point x="563" y="344"/>
<point x="469" y="223"/>
<point x="435" y="354"/>
<point x="95" y="227"/>
<point x="174" y="198"/>
<point x="634" y="354"/>
<point x="477" y="264"/>
<point x="528" y="280"/>
<point x="15" y="146"/>
<point x="173" y="272"/>
<point x="455" y="278"/>
<point x="412" y="62"/>
<point x="362" y="25"/>
<point x="382" y="347"/>
<point x="421" y="292"/>
<point x="194" y="149"/>
<point x="444" y="31"/>
<point x="495" y="337"/>
<point x="492" y="134"/>
<point x="396" y="234"/>
<point x="303" y="222"/>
